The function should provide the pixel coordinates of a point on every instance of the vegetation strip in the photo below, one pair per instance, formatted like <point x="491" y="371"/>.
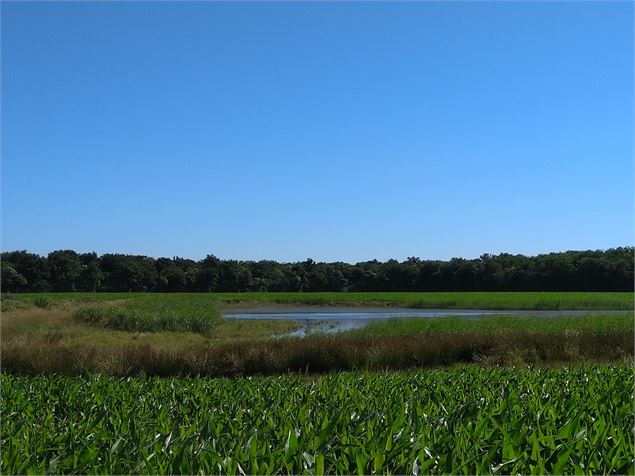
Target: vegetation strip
<point x="467" y="420"/>
<point x="187" y="302"/>
<point x="67" y="270"/>
<point x="442" y="300"/>
<point x="319" y="353"/>
<point x="497" y="325"/>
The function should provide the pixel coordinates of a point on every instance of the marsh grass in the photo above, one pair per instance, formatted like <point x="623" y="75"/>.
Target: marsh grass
<point x="601" y="322"/>
<point x="126" y="311"/>
<point x="320" y="354"/>
<point x="34" y="326"/>
<point x="138" y="320"/>
<point x="179" y="334"/>
<point x="151" y="313"/>
<point x="44" y="302"/>
<point x="9" y="302"/>
<point x="441" y="300"/>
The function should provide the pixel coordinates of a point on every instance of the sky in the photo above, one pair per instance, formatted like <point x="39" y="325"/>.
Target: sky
<point x="336" y="131"/>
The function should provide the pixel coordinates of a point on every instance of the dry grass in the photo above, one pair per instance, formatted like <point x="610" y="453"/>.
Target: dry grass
<point x="316" y="354"/>
<point x="56" y="324"/>
<point x="41" y="340"/>
<point x="33" y="320"/>
<point x="51" y="340"/>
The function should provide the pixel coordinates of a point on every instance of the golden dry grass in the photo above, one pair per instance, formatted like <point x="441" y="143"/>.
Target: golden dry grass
<point x="317" y="354"/>
<point x="44" y="340"/>
<point x="34" y="326"/>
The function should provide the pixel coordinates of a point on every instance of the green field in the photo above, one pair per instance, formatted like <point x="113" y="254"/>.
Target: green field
<point x="184" y="334"/>
<point x="159" y="304"/>
<point x="445" y="300"/>
<point x="500" y="324"/>
<point x="115" y="320"/>
<point x="502" y="394"/>
<point x="148" y="313"/>
<point x="464" y="420"/>
<point x="448" y="300"/>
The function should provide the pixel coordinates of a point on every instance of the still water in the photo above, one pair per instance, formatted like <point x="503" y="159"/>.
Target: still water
<point x="311" y="322"/>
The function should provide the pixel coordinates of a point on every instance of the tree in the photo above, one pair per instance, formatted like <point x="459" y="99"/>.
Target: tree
<point x="209" y="274"/>
<point x="65" y="269"/>
<point x="33" y="267"/>
<point x="235" y="276"/>
<point x="124" y="273"/>
<point x="90" y="277"/>
<point x="11" y="280"/>
<point x="172" y="279"/>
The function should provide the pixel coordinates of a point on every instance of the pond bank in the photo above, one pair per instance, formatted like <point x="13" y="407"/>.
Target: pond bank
<point x="320" y="319"/>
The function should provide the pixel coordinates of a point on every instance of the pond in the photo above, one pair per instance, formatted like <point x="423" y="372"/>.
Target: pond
<point x="329" y="320"/>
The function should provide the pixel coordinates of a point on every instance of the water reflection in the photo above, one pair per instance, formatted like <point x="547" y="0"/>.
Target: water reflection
<point x="331" y="322"/>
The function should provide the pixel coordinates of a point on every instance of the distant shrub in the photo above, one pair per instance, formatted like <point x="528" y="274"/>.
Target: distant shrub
<point x="53" y="336"/>
<point x="143" y="320"/>
<point x="43" y="302"/>
<point x="10" y="303"/>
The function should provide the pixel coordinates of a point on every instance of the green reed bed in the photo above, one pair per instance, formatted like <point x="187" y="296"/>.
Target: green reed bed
<point x="440" y="300"/>
<point x="183" y="299"/>
<point x="615" y="322"/>
<point x="149" y="313"/>
<point x="466" y="420"/>
<point x="318" y="354"/>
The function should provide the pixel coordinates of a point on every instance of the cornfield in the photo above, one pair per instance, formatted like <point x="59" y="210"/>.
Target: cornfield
<point x="460" y="420"/>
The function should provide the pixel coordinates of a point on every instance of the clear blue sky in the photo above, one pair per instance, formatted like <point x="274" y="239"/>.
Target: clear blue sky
<point x="345" y="131"/>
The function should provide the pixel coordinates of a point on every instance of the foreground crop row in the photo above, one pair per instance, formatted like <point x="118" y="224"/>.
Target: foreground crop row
<point x="463" y="420"/>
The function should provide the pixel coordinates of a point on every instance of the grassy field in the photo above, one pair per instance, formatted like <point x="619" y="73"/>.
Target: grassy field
<point x="176" y="334"/>
<point x="451" y="300"/>
<point x="318" y="353"/>
<point x="466" y="420"/>
<point x="152" y="313"/>
<point x="160" y="304"/>
<point x="615" y="322"/>
<point x="115" y="320"/>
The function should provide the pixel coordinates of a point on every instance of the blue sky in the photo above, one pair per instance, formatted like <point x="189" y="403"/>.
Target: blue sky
<point x="337" y="131"/>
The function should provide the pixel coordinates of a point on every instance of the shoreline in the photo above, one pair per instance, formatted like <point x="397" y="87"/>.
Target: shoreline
<point x="226" y="310"/>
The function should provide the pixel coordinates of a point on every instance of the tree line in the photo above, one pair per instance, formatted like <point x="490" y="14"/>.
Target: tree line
<point x="67" y="270"/>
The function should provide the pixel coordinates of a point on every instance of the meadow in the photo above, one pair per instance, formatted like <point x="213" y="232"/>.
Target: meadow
<point x="468" y="420"/>
<point x="116" y="320"/>
<point x="180" y="335"/>
<point x="433" y="300"/>
<point x="502" y="325"/>
<point x="440" y="300"/>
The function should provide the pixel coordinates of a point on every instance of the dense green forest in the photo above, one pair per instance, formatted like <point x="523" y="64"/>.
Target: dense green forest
<point x="66" y="270"/>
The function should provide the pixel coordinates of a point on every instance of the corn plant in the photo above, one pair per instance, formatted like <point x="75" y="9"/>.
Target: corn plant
<point x="468" y="420"/>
